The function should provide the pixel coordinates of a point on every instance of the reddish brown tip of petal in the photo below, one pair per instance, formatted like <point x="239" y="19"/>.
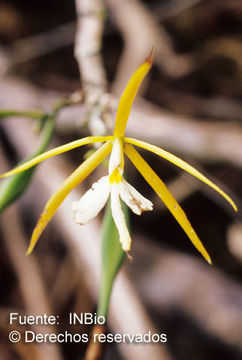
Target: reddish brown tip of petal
<point x="150" y="58"/>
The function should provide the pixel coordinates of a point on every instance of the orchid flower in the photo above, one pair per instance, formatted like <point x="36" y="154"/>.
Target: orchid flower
<point x="113" y="184"/>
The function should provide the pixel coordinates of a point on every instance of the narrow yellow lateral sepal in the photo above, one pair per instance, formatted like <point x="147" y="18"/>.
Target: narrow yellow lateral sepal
<point x="56" y="151"/>
<point x="164" y="194"/>
<point x="70" y="183"/>
<point x="182" y="164"/>
<point x="128" y="96"/>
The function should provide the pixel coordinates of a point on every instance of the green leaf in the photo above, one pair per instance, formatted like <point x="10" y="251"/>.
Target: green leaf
<point x="112" y="258"/>
<point x="13" y="187"/>
<point x="35" y="114"/>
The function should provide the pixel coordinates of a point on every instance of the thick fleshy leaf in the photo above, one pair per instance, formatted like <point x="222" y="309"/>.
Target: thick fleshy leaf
<point x="180" y="163"/>
<point x="112" y="257"/>
<point x="164" y="194"/>
<point x="92" y="202"/>
<point x="133" y="199"/>
<point x="70" y="183"/>
<point x="128" y="96"/>
<point x="56" y="151"/>
<point x="119" y="219"/>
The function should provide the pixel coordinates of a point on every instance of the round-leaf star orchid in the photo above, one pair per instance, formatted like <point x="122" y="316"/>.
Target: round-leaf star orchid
<point x="94" y="199"/>
<point x="114" y="184"/>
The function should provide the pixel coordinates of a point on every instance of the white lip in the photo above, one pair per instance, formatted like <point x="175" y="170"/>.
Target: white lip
<point x="92" y="202"/>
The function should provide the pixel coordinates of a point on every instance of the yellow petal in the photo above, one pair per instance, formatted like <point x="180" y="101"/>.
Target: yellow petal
<point x="164" y="194"/>
<point x="128" y="96"/>
<point x="56" y="151"/>
<point x="70" y="183"/>
<point x="180" y="163"/>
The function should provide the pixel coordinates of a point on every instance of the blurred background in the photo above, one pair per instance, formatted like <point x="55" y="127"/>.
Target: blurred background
<point x="190" y="104"/>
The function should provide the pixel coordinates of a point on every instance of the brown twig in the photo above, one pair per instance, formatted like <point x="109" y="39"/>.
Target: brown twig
<point x="95" y="348"/>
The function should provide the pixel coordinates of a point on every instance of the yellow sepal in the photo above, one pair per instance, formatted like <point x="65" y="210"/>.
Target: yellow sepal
<point x="164" y="194"/>
<point x="56" y="151"/>
<point x="128" y="96"/>
<point x="180" y="163"/>
<point x="70" y="183"/>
